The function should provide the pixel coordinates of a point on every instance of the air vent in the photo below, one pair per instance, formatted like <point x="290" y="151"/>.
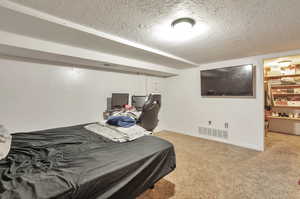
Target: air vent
<point x="212" y="132"/>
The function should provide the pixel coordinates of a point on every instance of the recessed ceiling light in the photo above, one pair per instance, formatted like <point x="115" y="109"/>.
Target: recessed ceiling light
<point x="183" y="24"/>
<point x="180" y="30"/>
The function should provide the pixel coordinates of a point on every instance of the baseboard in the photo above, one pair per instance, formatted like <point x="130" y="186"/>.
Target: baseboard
<point x="243" y="145"/>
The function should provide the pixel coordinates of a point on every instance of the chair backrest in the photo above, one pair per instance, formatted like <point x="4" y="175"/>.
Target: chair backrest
<point x="149" y="116"/>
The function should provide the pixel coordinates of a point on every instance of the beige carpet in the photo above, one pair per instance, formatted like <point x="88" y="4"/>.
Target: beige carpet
<point x="212" y="170"/>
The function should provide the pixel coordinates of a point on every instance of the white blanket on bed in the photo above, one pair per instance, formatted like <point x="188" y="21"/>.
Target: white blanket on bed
<point x="117" y="134"/>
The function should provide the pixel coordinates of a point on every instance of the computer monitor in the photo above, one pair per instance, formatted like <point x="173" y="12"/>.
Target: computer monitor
<point x="118" y="100"/>
<point x="138" y="101"/>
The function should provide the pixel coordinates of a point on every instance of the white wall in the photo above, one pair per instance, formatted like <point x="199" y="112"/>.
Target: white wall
<point x="40" y="96"/>
<point x="186" y="110"/>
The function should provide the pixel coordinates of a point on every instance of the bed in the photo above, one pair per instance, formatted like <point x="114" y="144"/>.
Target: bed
<point x="72" y="162"/>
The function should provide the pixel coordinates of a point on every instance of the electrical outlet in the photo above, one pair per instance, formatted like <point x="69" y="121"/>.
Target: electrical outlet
<point x="226" y="125"/>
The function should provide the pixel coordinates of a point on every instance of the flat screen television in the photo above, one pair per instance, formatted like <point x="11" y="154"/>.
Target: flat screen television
<point x="138" y="101"/>
<point x="235" y="81"/>
<point x="118" y="100"/>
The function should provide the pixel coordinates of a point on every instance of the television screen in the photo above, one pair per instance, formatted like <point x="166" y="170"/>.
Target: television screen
<point x="138" y="101"/>
<point x="118" y="100"/>
<point x="230" y="81"/>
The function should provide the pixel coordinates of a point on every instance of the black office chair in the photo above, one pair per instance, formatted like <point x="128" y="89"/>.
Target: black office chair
<point x="149" y="116"/>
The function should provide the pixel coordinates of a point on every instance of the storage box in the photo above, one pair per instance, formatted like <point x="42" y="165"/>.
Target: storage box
<point x="297" y="69"/>
<point x="280" y="103"/>
<point x="296" y="90"/>
<point x="293" y="103"/>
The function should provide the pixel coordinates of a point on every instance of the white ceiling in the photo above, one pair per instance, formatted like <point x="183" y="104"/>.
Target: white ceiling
<point x="237" y="28"/>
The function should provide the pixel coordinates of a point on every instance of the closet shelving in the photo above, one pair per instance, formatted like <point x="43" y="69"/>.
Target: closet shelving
<point x="285" y="97"/>
<point x="281" y="76"/>
<point x="284" y="118"/>
<point x="286" y="94"/>
<point x="287" y="106"/>
<point x="285" y="86"/>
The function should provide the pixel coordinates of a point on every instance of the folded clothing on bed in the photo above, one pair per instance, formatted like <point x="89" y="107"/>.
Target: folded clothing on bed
<point x="121" y="121"/>
<point x="106" y="132"/>
<point x="117" y="134"/>
<point x="132" y="132"/>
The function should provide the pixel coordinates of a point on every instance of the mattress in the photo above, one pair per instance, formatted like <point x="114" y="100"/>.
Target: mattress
<point x="72" y="162"/>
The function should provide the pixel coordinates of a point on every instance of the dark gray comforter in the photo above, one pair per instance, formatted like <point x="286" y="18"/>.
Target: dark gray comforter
<point x="72" y="162"/>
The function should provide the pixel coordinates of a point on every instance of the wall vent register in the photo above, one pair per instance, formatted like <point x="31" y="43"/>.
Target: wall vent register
<point x="213" y="132"/>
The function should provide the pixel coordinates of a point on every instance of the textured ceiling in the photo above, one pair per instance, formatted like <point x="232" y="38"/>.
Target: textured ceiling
<point x="237" y="28"/>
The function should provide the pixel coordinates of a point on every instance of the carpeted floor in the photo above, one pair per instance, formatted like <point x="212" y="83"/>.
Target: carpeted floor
<point x="212" y="170"/>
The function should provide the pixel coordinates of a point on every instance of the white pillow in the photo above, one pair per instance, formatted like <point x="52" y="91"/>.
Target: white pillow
<point x="5" y="142"/>
<point x="4" y="132"/>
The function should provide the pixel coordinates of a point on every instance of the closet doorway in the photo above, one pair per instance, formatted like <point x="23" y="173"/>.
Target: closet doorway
<point x="282" y="95"/>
